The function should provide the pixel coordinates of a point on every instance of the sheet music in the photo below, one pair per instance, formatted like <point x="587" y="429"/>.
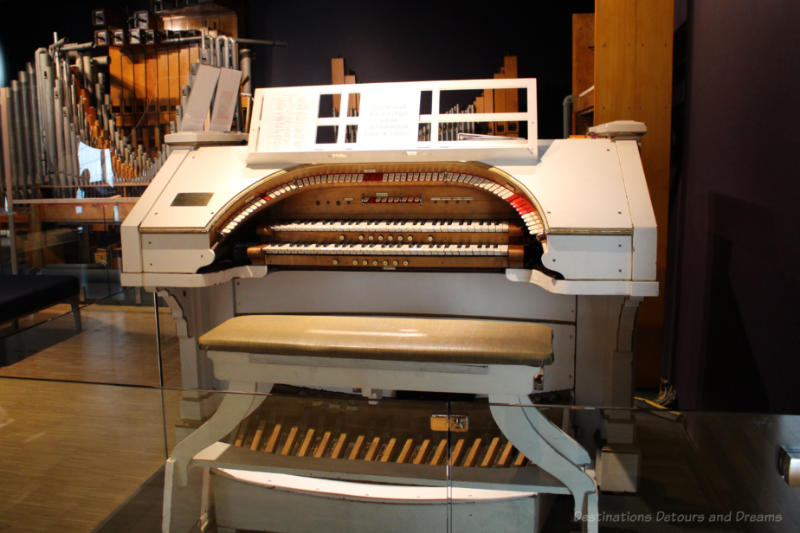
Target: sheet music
<point x="199" y="102"/>
<point x="288" y="121"/>
<point x="225" y="99"/>
<point x="389" y="117"/>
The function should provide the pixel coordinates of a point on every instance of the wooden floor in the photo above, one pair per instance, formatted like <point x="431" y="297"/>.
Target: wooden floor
<point x="71" y="452"/>
<point x="117" y="345"/>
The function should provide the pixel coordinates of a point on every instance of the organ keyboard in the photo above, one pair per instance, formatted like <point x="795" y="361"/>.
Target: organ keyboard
<point x="553" y="233"/>
<point x="429" y="220"/>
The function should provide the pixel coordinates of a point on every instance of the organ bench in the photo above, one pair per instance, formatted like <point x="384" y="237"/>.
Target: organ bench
<point x="497" y="358"/>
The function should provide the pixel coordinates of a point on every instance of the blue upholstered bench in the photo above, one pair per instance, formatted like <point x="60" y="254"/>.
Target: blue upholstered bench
<point x="21" y="295"/>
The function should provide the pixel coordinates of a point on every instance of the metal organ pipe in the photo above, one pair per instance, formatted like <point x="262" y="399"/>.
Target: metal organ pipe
<point x="59" y="135"/>
<point x="38" y="163"/>
<point x="19" y="150"/>
<point x="245" y="64"/>
<point x="26" y="128"/>
<point x="61" y="99"/>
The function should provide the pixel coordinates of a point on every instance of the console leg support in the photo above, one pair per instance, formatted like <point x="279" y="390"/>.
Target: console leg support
<point x="234" y="407"/>
<point x="550" y="449"/>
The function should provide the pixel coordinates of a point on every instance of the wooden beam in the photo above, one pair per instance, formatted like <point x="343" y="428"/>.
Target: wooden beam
<point x="337" y="78"/>
<point x="151" y="74"/>
<point x="355" y="99"/>
<point x="184" y="67"/>
<point x="633" y="80"/>
<point x="127" y="82"/>
<point x="500" y="106"/>
<point x="162" y="101"/>
<point x="174" y="80"/>
<point x="139" y="81"/>
<point x="510" y="70"/>
<point x="582" y="55"/>
<point x="115" y="78"/>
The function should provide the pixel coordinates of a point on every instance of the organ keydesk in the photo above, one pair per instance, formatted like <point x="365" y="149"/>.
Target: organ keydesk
<point x="377" y="219"/>
<point x="282" y="257"/>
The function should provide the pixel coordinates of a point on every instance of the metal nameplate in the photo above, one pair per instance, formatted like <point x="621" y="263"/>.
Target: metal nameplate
<point x="192" y="199"/>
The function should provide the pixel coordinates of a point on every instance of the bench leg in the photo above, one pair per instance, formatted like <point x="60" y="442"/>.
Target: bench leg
<point x="591" y="524"/>
<point x="550" y="449"/>
<point x="75" y="303"/>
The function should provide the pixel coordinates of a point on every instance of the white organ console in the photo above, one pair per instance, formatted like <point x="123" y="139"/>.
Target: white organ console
<point x="385" y="226"/>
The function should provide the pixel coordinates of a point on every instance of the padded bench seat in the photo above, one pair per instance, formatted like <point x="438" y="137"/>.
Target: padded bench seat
<point x="389" y="338"/>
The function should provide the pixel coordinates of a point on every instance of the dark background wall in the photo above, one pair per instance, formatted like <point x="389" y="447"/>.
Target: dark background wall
<point x="26" y="25"/>
<point x="733" y="290"/>
<point x="409" y="40"/>
<point x="734" y="250"/>
<point x="394" y="40"/>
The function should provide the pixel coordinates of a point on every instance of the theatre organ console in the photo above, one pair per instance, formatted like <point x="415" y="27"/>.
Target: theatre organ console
<point x="354" y="264"/>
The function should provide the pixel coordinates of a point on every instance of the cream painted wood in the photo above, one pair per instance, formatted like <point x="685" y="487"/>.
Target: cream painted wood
<point x="432" y="293"/>
<point x="152" y="280"/>
<point x="175" y="252"/>
<point x="129" y="230"/>
<point x="220" y="170"/>
<point x="578" y="184"/>
<point x="549" y="448"/>
<point x="589" y="257"/>
<point x="371" y="376"/>
<point x="241" y="505"/>
<point x="641" y="209"/>
<point x="233" y="408"/>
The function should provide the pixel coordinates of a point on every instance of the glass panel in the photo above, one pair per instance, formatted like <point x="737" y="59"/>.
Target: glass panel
<point x="116" y="343"/>
<point x="73" y="452"/>
<point x="306" y="458"/>
<point x="492" y="481"/>
<point x="655" y="468"/>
